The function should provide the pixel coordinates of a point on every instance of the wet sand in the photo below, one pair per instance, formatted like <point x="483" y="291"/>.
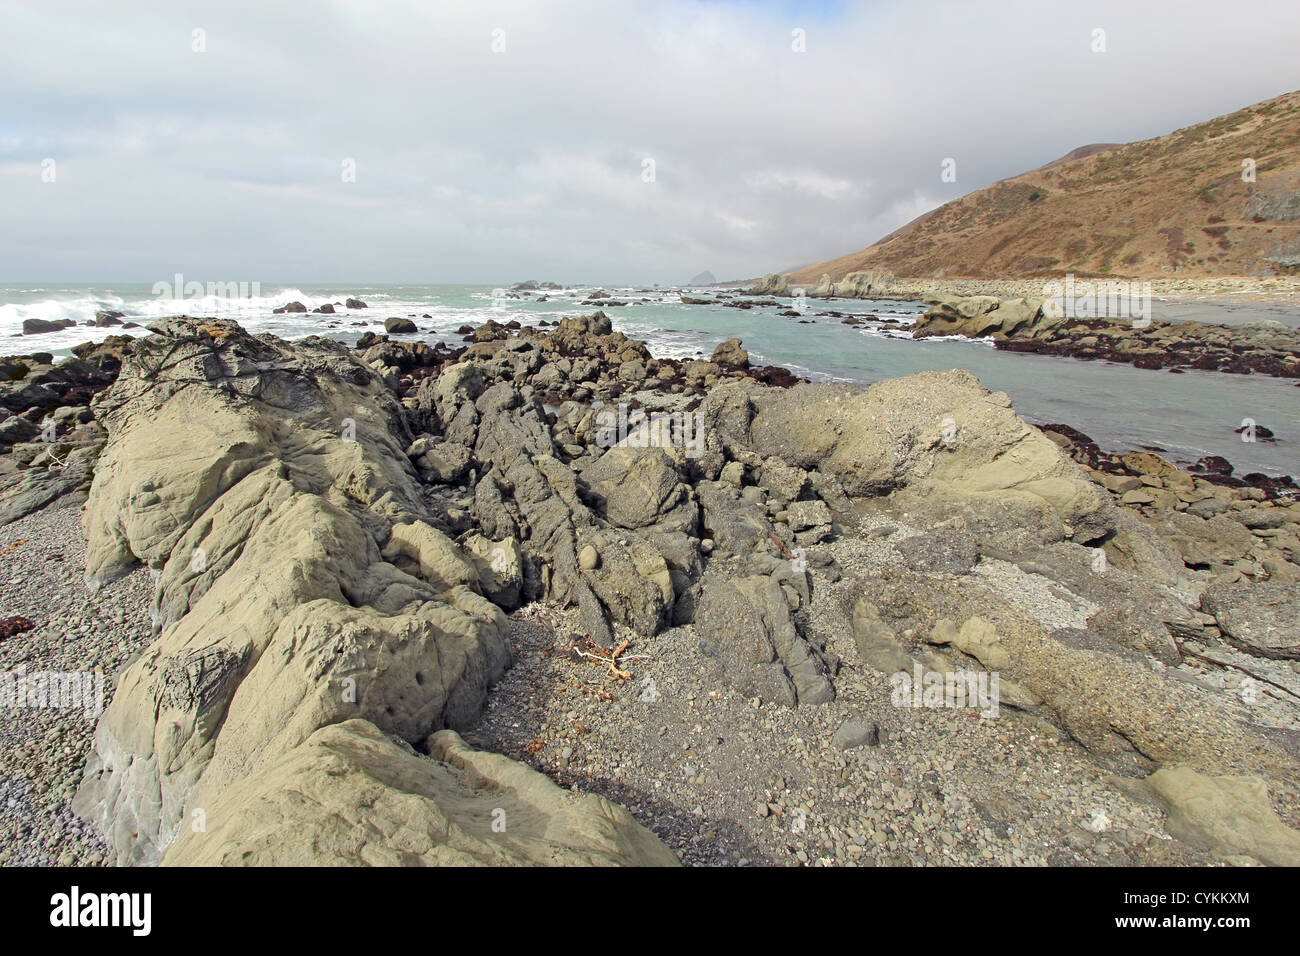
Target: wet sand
<point x="1225" y="312"/>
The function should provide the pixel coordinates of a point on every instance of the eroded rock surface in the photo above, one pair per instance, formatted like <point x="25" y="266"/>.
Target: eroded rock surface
<point x="337" y="534"/>
<point x="303" y="582"/>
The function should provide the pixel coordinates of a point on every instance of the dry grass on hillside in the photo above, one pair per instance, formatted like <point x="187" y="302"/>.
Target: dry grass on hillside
<point x="1174" y="205"/>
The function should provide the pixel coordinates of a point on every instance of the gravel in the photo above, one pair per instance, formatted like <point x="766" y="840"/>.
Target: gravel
<point x="43" y="750"/>
<point x="726" y="780"/>
<point x="721" y="778"/>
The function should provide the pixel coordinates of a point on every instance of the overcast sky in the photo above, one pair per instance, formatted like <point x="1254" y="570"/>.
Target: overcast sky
<point x="475" y="164"/>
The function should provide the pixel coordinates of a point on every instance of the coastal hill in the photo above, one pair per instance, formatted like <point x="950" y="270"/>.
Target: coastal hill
<point x="1176" y="204"/>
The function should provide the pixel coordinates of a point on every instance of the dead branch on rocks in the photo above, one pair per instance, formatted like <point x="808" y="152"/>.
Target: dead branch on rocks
<point x="591" y="652"/>
<point x="785" y="552"/>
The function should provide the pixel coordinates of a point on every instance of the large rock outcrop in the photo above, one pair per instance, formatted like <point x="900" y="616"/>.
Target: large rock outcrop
<point x="380" y="803"/>
<point x="977" y="316"/>
<point x="309" y="604"/>
<point x="855" y="285"/>
<point x="1105" y="329"/>
<point x="1095" y="682"/>
<point x="335" y="534"/>
<point x="770" y="284"/>
<point x="933" y="436"/>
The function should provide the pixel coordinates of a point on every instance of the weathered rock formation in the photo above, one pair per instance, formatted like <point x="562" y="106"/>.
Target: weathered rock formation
<point x="383" y="804"/>
<point x="1026" y="325"/>
<point x="873" y="283"/>
<point x="311" y="609"/>
<point x="46" y="429"/>
<point x="770" y="284"/>
<point x="337" y="535"/>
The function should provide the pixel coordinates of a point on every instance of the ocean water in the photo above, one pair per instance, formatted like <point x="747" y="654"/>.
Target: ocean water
<point x="1184" y="415"/>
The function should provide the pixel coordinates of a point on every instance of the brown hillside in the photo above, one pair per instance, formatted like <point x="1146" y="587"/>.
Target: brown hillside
<point x="1171" y="205"/>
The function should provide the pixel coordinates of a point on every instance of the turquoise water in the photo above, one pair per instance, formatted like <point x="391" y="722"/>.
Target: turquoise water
<point x="1187" y="415"/>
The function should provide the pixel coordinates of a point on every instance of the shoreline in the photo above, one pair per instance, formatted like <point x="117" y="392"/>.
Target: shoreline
<point x="94" y="365"/>
<point x="1226" y="290"/>
<point x="79" y="383"/>
<point x="800" y="520"/>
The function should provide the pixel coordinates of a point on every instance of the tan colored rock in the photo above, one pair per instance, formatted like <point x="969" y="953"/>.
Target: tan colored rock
<point x="1165" y="499"/>
<point x="301" y="585"/>
<point x="937" y="435"/>
<point x="1203" y="541"/>
<point x="1139" y="496"/>
<point x="976" y="316"/>
<point x="1227" y="814"/>
<point x="1149" y="463"/>
<point x="860" y="285"/>
<point x="1260" y="617"/>
<point x="1117" y="483"/>
<point x="770" y="284"/>
<point x="824" y="289"/>
<point x="427" y="553"/>
<point x="877" y="644"/>
<point x="349" y="795"/>
<point x="976" y="637"/>
<point x="731" y="353"/>
<point x="500" y="567"/>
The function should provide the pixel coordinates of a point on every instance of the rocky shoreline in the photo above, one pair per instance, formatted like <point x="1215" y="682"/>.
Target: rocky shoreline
<point x="1032" y="323"/>
<point x="497" y="594"/>
<point x="1029" y="325"/>
<point x="881" y="284"/>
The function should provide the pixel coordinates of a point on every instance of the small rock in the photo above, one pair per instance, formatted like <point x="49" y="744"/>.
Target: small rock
<point x="856" y="732"/>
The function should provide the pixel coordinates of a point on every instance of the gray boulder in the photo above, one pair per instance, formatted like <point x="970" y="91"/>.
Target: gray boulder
<point x="640" y="488"/>
<point x="1260" y="617"/>
<point x="762" y="652"/>
<point x="856" y="732"/>
<point x="445" y="462"/>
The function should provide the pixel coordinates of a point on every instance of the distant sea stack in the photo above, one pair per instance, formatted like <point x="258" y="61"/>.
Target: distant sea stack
<point x="704" y="278"/>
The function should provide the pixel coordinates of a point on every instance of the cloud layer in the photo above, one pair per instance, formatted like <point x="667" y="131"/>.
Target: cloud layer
<point x="580" y="141"/>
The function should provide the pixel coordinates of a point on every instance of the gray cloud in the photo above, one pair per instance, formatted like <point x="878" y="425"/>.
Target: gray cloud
<point x="485" y="167"/>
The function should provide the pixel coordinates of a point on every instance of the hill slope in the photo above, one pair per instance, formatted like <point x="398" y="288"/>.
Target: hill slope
<point x="1173" y="204"/>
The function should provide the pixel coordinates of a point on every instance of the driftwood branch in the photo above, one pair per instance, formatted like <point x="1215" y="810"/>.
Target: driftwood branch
<point x="612" y="661"/>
